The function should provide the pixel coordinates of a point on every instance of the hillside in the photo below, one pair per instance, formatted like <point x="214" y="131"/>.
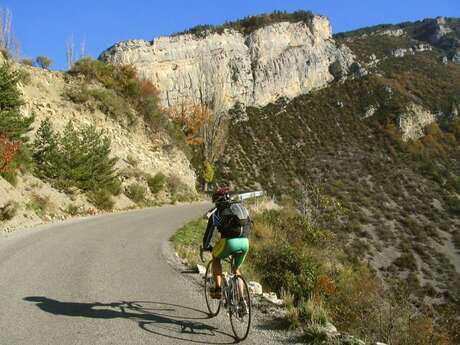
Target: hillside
<point x="30" y="196"/>
<point x="370" y="117"/>
<point x="386" y="145"/>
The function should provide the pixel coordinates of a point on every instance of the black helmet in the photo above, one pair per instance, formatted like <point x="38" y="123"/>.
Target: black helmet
<point x="221" y="195"/>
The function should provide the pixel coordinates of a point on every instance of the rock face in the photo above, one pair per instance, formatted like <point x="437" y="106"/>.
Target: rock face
<point x="222" y="69"/>
<point x="413" y="121"/>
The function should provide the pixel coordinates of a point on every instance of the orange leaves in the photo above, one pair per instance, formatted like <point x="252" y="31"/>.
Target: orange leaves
<point x="192" y="118"/>
<point x="148" y="89"/>
<point x="325" y="285"/>
<point x="8" y="150"/>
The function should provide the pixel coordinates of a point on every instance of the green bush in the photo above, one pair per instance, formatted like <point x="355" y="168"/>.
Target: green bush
<point x="284" y="267"/>
<point x="110" y="103"/>
<point x="101" y="199"/>
<point x="156" y="183"/>
<point x="39" y="204"/>
<point x="453" y="204"/>
<point x="43" y="61"/>
<point x="5" y="53"/>
<point x="77" y="158"/>
<point x="136" y="192"/>
<point x="115" y="186"/>
<point x="72" y="210"/>
<point x="77" y="95"/>
<point x="27" y="62"/>
<point x="8" y="211"/>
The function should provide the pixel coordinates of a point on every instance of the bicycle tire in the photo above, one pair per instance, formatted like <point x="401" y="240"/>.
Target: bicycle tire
<point x="212" y="304"/>
<point x="237" y="318"/>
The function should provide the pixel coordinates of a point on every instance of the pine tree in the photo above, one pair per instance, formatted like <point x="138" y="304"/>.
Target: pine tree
<point x="77" y="158"/>
<point x="45" y="151"/>
<point x="12" y="123"/>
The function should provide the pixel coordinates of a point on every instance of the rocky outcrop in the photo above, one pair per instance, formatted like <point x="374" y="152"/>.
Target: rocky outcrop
<point x="222" y="69"/>
<point x="439" y="29"/>
<point x="401" y="52"/>
<point x="413" y="121"/>
<point x="392" y="33"/>
<point x="456" y="57"/>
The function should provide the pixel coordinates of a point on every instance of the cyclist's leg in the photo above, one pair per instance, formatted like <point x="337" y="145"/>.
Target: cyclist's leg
<point x="239" y="245"/>
<point x="216" y="264"/>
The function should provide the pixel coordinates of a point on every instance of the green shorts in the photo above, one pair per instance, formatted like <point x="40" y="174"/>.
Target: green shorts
<point x="226" y="246"/>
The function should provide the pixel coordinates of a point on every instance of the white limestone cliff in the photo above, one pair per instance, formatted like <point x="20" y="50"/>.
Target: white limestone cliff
<point x="222" y="69"/>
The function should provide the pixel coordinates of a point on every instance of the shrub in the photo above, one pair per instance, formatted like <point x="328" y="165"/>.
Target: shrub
<point x="27" y="62"/>
<point x="39" y="204"/>
<point x="72" y="210"/>
<point x="175" y="185"/>
<point x="8" y="151"/>
<point x="101" y="199"/>
<point x="453" y="204"/>
<point x="156" y="183"/>
<point x="284" y="267"/>
<point x="136" y="192"/>
<point x="110" y="103"/>
<point x="8" y="211"/>
<point x="132" y="92"/>
<point x="114" y="187"/>
<point x="5" y="53"/>
<point x="77" y="94"/>
<point x="43" y="61"/>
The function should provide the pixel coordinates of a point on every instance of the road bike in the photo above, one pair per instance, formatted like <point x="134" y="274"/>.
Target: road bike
<point x="236" y="298"/>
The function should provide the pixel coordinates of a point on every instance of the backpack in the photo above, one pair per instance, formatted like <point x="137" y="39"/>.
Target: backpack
<point x="234" y="221"/>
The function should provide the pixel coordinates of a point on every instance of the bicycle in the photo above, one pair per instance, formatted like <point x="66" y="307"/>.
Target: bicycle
<point x="235" y="297"/>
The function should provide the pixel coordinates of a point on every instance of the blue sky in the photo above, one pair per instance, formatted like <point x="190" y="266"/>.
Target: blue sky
<point x="43" y="26"/>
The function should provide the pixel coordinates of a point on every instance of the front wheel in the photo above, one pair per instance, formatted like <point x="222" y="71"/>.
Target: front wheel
<point x="209" y="283"/>
<point x="240" y="309"/>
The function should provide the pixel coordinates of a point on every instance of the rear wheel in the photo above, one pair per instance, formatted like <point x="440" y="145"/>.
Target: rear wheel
<point x="209" y="283"/>
<point x="240" y="309"/>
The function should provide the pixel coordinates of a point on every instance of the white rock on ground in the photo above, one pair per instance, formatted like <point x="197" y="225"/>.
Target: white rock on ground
<point x="272" y="298"/>
<point x="255" y="288"/>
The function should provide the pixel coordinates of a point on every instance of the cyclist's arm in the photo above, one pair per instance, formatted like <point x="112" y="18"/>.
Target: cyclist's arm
<point x="208" y="234"/>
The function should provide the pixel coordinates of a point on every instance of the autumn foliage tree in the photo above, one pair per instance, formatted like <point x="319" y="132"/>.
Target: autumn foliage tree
<point x="8" y="151"/>
<point x="203" y="129"/>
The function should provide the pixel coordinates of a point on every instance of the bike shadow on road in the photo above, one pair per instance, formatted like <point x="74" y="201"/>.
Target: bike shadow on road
<point x="163" y="319"/>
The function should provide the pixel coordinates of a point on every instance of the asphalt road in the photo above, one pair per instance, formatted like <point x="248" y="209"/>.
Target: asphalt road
<point x="103" y="280"/>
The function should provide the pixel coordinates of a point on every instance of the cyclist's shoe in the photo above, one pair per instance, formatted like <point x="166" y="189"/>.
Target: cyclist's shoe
<point x="216" y="293"/>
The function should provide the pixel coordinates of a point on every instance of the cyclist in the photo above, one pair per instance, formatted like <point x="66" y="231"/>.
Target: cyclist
<point x="232" y="221"/>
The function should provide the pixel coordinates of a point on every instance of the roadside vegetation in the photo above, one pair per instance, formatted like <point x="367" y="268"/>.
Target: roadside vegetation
<point x="400" y="197"/>
<point x="296" y="256"/>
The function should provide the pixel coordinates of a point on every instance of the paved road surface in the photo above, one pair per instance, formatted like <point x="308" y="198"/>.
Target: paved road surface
<point x="103" y="280"/>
